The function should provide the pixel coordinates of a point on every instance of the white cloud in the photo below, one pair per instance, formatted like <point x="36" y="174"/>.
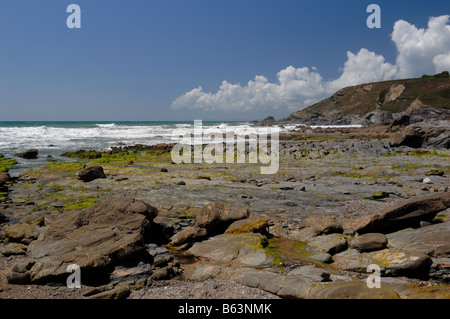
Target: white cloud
<point x="295" y="87"/>
<point x="420" y="51"/>
<point x="419" y="48"/>
<point x="442" y="62"/>
<point x="364" y="67"/>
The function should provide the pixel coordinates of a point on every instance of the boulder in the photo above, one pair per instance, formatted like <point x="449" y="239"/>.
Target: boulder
<point x="4" y="177"/>
<point x="236" y="250"/>
<point x="91" y="173"/>
<point x="248" y="225"/>
<point x="23" y="233"/>
<point x="13" y="249"/>
<point x="216" y="217"/>
<point x="96" y="238"/>
<point x="402" y="263"/>
<point x="404" y="214"/>
<point x="330" y="244"/>
<point x="32" y="153"/>
<point x="369" y="242"/>
<point x="411" y="136"/>
<point x="352" y="260"/>
<point x="321" y="225"/>
<point x="188" y="235"/>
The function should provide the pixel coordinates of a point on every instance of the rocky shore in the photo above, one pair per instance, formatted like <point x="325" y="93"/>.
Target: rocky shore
<point x="141" y="226"/>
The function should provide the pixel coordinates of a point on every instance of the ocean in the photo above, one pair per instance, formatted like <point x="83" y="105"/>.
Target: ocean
<point x="55" y="138"/>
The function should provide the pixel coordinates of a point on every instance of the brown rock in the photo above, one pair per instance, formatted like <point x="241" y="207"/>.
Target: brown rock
<point x="216" y="217"/>
<point x="95" y="238"/>
<point x="32" y="153"/>
<point x="190" y="234"/>
<point x="4" y="177"/>
<point x="322" y="224"/>
<point x="369" y="242"/>
<point x="91" y="173"/>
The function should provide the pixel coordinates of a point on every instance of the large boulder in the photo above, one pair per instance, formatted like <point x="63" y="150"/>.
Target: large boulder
<point x="214" y="219"/>
<point x="91" y="173"/>
<point x="411" y="136"/>
<point x="96" y="239"/>
<point x="245" y="250"/>
<point x="408" y="213"/>
<point x="402" y="263"/>
<point x="217" y="216"/>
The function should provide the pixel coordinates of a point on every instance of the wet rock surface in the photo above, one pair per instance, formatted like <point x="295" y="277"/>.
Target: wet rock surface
<point x="309" y="231"/>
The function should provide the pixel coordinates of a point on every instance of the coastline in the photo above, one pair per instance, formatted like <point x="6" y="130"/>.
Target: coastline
<point x="330" y="173"/>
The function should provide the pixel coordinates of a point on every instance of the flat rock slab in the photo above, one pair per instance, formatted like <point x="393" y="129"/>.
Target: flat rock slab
<point x="330" y="244"/>
<point x="312" y="273"/>
<point x="355" y="289"/>
<point x="352" y="260"/>
<point x="95" y="239"/>
<point x="283" y="286"/>
<point x="432" y="240"/>
<point x="205" y="272"/>
<point x="237" y="250"/>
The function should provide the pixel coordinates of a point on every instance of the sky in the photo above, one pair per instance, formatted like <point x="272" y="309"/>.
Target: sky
<point x="180" y="60"/>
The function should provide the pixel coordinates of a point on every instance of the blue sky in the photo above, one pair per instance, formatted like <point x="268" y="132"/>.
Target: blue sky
<point x="138" y="60"/>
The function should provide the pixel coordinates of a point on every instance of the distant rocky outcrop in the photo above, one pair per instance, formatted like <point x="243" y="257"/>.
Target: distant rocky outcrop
<point x="379" y="103"/>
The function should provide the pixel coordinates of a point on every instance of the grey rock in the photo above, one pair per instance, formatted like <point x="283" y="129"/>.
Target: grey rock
<point x="369" y="242"/>
<point x="283" y="286"/>
<point x="407" y="213"/>
<point x="239" y="250"/>
<point x="13" y="249"/>
<point x="96" y="238"/>
<point x="312" y="273"/>
<point x="330" y="244"/>
<point x="403" y="263"/>
<point x="205" y="272"/>
<point x="356" y="289"/>
<point x="433" y="240"/>
<point x="322" y="258"/>
<point x="352" y="260"/>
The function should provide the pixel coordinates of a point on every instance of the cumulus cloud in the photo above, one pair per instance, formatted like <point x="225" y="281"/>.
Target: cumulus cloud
<point x="294" y="87"/>
<point x="419" y="51"/>
<point x="422" y="51"/>
<point x="364" y="67"/>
